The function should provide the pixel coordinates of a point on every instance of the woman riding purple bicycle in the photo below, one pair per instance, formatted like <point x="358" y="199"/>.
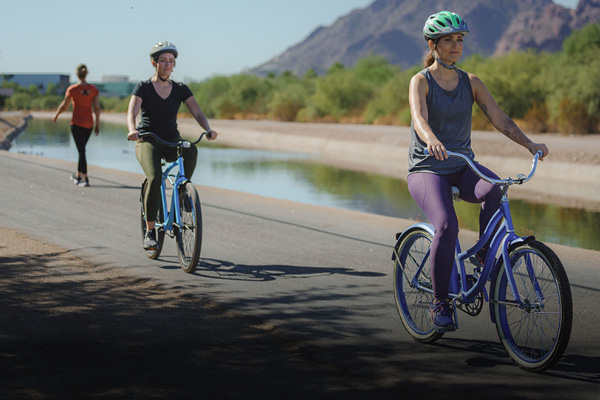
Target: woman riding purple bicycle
<point x="441" y="100"/>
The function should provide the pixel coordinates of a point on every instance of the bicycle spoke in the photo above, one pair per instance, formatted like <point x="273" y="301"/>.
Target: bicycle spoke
<point x="536" y="330"/>
<point x="413" y="288"/>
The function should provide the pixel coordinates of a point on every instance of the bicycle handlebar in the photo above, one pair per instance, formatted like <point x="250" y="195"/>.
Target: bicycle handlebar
<point x="183" y="143"/>
<point x="521" y="178"/>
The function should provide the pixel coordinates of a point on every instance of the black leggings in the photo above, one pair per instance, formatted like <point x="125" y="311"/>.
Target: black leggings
<point x="81" y="137"/>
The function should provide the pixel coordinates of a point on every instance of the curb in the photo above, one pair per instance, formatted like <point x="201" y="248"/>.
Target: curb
<point x="13" y="130"/>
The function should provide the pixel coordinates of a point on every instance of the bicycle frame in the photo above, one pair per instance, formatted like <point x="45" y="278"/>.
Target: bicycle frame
<point x="502" y="240"/>
<point x="173" y="216"/>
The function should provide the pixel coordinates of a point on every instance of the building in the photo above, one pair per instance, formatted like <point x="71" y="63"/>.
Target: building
<point x="41" y="81"/>
<point x="110" y="86"/>
<point x="115" y="86"/>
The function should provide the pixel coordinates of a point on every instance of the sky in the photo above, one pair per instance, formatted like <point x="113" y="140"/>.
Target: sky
<point x="114" y="37"/>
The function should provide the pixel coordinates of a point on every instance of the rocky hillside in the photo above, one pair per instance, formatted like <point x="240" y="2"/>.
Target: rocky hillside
<point x="393" y="29"/>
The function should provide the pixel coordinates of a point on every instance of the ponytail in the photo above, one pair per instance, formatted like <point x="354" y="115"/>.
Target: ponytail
<point x="429" y="56"/>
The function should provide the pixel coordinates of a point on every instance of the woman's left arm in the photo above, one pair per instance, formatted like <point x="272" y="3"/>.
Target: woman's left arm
<point x="500" y="120"/>
<point x="194" y="108"/>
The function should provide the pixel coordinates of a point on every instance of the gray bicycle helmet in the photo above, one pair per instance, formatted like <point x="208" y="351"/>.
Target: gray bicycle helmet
<point x="444" y="23"/>
<point x="163" y="47"/>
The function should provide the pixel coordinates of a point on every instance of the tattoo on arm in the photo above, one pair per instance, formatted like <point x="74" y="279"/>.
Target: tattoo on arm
<point x="484" y="109"/>
<point x="512" y="131"/>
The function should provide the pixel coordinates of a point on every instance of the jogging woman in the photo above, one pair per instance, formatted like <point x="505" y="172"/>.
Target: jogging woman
<point x="159" y="99"/>
<point x="441" y="100"/>
<point x="84" y="97"/>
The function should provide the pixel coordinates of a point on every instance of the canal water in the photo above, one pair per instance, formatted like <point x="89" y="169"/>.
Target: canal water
<point x="299" y="178"/>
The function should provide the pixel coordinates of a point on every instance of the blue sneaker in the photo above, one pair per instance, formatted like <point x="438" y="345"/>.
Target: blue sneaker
<point x="441" y="314"/>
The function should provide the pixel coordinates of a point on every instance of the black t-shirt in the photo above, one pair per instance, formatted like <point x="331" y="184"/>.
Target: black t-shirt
<point x="159" y="115"/>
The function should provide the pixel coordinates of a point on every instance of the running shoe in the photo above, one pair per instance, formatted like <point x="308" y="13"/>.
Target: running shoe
<point x="150" y="242"/>
<point x="441" y="314"/>
<point x="84" y="182"/>
<point x="76" y="179"/>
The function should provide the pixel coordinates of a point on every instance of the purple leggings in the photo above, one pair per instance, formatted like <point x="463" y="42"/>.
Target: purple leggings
<point x="433" y="194"/>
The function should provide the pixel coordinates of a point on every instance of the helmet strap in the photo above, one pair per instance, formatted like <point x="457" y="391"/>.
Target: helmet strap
<point x="441" y="62"/>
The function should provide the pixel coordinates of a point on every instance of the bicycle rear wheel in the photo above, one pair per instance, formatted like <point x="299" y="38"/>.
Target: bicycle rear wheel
<point x="160" y="234"/>
<point x="535" y="332"/>
<point x="413" y="287"/>
<point x="189" y="233"/>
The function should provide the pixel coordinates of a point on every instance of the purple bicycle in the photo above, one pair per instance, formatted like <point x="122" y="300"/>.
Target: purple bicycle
<point x="529" y="293"/>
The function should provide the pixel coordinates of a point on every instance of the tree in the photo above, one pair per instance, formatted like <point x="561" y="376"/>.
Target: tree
<point x="389" y="101"/>
<point x="574" y="82"/>
<point x="582" y="44"/>
<point x="340" y="92"/>
<point x="374" y="69"/>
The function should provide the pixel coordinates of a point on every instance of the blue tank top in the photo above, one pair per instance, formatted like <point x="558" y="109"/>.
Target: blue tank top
<point x="450" y="115"/>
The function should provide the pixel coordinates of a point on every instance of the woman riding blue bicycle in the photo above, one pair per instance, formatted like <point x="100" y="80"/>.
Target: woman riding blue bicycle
<point x="159" y="99"/>
<point x="441" y="100"/>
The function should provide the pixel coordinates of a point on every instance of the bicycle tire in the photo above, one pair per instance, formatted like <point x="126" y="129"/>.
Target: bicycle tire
<point x="189" y="234"/>
<point x="536" y="334"/>
<point x="413" y="303"/>
<point x="160" y="234"/>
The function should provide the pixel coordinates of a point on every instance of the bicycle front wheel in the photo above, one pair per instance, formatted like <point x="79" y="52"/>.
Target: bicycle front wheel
<point x="189" y="231"/>
<point x="413" y="289"/>
<point x="160" y="234"/>
<point x="536" y="331"/>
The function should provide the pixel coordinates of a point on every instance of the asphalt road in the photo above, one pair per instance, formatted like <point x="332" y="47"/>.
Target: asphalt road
<point x="320" y="276"/>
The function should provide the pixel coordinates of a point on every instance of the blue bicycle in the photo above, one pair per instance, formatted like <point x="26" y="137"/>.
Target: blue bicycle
<point x="182" y="218"/>
<point x="529" y="296"/>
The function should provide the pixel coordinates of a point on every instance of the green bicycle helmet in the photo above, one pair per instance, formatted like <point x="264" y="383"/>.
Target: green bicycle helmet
<point x="444" y="23"/>
<point x="163" y="47"/>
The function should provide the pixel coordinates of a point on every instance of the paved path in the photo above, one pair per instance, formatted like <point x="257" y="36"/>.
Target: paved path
<point x="318" y="276"/>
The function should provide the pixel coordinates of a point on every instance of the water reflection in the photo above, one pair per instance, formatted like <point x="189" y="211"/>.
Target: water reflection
<point x="297" y="177"/>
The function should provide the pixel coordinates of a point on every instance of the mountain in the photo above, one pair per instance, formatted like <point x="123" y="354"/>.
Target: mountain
<point x="393" y="29"/>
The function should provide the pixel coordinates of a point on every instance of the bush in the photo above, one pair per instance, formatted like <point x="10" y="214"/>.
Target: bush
<point x="574" y="118"/>
<point x="19" y="101"/>
<point x="50" y="102"/>
<point x="339" y="93"/>
<point x="374" y="69"/>
<point x="536" y="119"/>
<point x="388" y="101"/>
<point x="286" y="103"/>
<point x="210" y="94"/>
<point x="114" y="104"/>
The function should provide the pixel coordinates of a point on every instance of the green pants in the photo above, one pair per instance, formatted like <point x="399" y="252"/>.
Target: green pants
<point x="149" y="155"/>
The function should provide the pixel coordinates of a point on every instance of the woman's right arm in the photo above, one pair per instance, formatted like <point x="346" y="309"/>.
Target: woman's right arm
<point x="132" y="112"/>
<point x="417" y="98"/>
<point x="62" y="107"/>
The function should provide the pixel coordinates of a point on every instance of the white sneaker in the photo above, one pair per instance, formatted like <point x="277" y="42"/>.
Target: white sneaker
<point x="76" y="179"/>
